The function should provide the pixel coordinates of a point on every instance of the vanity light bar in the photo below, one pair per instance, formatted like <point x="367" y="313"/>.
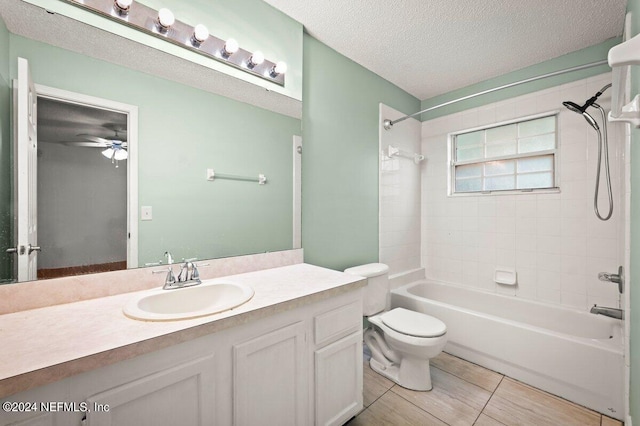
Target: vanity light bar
<point x="162" y="24"/>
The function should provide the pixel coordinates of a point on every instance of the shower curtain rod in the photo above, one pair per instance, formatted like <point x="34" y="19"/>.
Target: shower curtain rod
<point x="388" y="124"/>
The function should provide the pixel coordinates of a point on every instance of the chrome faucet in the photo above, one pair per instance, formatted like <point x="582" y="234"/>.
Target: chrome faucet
<point x="188" y="276"/>
<point x="608" y="312"/>
<point x="184" y="269"/>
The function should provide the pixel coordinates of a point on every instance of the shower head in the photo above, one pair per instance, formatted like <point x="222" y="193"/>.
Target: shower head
<point x="572" y="106"/>
<point x="591" y="120"/>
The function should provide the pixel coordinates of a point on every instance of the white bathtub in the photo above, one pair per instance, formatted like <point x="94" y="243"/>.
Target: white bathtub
<point x="572" y="354"/>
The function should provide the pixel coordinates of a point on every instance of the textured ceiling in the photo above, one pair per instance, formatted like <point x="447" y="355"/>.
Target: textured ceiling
<point x="429" y="47"/>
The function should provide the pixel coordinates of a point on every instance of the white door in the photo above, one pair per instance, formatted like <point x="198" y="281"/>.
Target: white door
<point x="26" y="180"/>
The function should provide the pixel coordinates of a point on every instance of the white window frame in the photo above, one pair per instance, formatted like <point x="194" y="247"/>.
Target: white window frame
<point x="555" y="152"/>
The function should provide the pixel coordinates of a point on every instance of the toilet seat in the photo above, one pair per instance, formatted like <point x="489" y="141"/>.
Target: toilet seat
<point x="412" y="323"/>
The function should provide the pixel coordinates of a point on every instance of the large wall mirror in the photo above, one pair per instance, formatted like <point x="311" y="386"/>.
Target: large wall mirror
<point x="122" y="166"/>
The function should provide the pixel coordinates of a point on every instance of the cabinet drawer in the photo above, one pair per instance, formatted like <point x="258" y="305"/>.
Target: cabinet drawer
<point x="339" y="322"/>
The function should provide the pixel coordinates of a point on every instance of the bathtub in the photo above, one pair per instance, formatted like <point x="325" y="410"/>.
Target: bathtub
<point x="569" y="353"/>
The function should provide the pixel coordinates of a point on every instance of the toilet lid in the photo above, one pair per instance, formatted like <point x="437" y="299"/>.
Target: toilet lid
<point x="413" y="323"/>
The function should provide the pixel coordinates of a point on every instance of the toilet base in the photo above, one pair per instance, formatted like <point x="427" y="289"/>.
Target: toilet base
<point x="411" y="373"/>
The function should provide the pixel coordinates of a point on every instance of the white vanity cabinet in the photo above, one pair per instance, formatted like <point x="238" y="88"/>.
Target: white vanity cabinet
<point x="338" y="363"/>
<point x="269" y="378"/>
<point x="302" y="366"/>
<point x="177" y="396"/>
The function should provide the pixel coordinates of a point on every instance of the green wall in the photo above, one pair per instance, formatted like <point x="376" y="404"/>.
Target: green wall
<point x="182" y="132"/>
<point x="633" y="286"/>
<point x="6" y="176"/>
<point x="580" y="57"/>
<point x="340" y="162"/>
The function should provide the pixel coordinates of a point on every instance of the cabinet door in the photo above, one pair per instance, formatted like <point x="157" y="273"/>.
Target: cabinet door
<point x="270" y="379"/>
<point x="182" y="395"/>
<point x="339" y="380"/>
<point x="46" y="419"/>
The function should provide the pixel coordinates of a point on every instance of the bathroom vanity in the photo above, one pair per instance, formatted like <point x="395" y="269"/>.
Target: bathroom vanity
<point x="292" y="355"/>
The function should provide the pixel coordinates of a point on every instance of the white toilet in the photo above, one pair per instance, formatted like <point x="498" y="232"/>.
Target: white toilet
<point x="401" y="341"/>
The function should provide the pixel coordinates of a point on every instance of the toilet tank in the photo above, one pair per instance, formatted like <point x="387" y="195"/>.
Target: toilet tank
<point x="376" y="293"/>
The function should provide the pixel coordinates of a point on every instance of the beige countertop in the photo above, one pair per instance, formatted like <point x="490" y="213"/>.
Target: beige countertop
<point x="40" y="346"/>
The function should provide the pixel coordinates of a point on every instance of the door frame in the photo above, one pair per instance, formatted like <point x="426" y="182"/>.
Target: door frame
<point x="132" y="147"/>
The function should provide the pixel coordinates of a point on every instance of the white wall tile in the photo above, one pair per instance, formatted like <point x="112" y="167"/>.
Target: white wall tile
<point x="549" y="226"/>
<point x="401" y="200"/>
<point x="548" y="295"/>
<point x="553" y="240"/>
<point x="548" y="208"/>
<point x="574" y="300"/>
<point x="527" y="285"/>
<point x="549" y="280"/>
<point x="549" y="262"/>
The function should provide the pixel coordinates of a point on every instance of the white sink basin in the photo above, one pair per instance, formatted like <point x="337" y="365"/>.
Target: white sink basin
<point x="208" y="298"/>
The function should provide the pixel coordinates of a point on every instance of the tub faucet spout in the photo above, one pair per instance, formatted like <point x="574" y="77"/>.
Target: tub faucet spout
<point x="608" y="312"/>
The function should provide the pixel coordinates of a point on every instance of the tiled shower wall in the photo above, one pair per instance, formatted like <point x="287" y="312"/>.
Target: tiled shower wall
<point x="399" y="195"/>
<point x="553" y="240"/>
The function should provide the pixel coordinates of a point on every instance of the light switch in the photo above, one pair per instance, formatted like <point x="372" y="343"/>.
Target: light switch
<point x="146" y="213"/>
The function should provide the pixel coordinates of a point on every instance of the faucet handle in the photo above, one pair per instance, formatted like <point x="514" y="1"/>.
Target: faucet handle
<point x="195" y="275"/>
<point x="184" y="268"/>
<point x="604" y="276"/>
<point x="171" y="278"/>
<point x="614" y="278"/>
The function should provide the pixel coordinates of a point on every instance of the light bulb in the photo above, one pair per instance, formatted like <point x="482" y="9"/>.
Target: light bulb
<point x="230" y="47"/>
<point x="108" y="153"/>
<point x="121" y="154"/>
<point x="122" y="6"/>
<point x="165" y="18"/>
<point x="279" y="68"/>
<point x="200" y="33"/>
<point x="256" y="59"/>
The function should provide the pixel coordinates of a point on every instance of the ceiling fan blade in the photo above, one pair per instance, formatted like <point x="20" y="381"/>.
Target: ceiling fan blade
<point x="94" y="138"/>
<point x="87" y="144"/>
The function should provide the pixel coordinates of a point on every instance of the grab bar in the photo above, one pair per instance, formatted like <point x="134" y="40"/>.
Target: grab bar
<point x="212" y="175"/>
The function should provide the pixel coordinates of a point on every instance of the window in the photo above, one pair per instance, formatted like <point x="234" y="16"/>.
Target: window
<point x="514" y="156"/>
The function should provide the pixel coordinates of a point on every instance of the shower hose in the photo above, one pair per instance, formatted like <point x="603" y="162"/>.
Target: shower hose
<point x="603" y="145"/>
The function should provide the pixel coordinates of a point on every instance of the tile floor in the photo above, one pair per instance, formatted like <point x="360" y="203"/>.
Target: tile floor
<point x="467" y="394"/>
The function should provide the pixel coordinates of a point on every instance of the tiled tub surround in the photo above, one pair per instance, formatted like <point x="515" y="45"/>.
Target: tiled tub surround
<point x="39" y="294"/>
<point x="569" y="353"/>
<point x="45" y="345"/>
<point x="553" y="240"/>
<point x="399" y="213"/>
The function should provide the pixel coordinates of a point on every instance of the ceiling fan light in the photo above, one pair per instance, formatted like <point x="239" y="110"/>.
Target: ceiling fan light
<point x="121" y="154"/>
<point x="108" y="153"/>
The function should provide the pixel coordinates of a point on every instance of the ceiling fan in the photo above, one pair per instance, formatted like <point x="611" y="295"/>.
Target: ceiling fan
<point x="115" y="148"/>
